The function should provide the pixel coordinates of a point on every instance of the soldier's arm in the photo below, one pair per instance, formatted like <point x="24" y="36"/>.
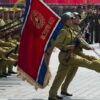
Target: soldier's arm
<point x="83" y="44"/>
<point x="6" y="44"/>
<point x="61" y="42"/>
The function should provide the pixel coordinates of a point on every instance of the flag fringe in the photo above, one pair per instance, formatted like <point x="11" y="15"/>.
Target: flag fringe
<point x="25" y="77"/>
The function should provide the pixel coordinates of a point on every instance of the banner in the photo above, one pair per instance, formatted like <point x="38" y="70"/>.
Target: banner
<point x="74" y="2"/>
<point x="36" y="34"/>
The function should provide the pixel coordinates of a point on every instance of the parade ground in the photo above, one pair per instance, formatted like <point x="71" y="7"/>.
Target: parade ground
<point x="85" y="85"/>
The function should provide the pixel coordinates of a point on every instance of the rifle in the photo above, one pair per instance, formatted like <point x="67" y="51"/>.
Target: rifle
<point x="75" y="42"/>
<point x="82" y="40"/>
<point x="11" y="51"/>
<point x="11" y="30"/>
<point x="9" y="24"/>
<point x="10" y="27"/>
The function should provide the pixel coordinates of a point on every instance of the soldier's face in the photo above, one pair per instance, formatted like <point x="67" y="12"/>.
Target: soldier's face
<point x="68" y="22"/>
<point x="76" y="20"/>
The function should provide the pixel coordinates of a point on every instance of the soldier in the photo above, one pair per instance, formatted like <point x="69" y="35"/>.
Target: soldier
<point x="6" y="48"/>
<point x="67" y="20"/>
<point x="18" y="13"/>
<point x="12" y="13"/>
<point x="71" y="73"/>
<point x="2" y="52"/>
<point x="70" y="56"/>
<point x="10" y="59"/>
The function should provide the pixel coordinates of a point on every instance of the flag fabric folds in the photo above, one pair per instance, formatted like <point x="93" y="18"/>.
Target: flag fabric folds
<point x="36" y="35"/>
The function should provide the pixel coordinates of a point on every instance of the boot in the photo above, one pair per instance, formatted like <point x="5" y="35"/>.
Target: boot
<point x="65" y="93"/>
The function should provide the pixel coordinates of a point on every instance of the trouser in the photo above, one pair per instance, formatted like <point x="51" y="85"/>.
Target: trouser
<point x="63" y="69"/>
<point x="8" y="62"/>
<point x="69" y="77"/>
<point x="14" y="56"/>
<point x="0" y="70"/>
<point x="71" y="73"/>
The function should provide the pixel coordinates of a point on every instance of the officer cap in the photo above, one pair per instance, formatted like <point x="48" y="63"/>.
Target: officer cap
<point x="67" y="16"/>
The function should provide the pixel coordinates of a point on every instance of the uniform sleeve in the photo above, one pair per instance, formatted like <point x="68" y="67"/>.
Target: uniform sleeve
<point x="6" y="44"/>
<point x="84" y="45"/>
<point x="61" y="42"/>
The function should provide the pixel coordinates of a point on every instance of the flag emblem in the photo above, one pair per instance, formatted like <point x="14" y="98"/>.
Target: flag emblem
<point x="37" y="19"/>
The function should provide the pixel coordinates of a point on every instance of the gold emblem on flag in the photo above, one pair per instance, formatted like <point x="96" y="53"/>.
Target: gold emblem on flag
<point x="37" y="19"/>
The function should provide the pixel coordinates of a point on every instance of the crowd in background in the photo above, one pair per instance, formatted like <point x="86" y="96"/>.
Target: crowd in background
<point x="90" y="19"/>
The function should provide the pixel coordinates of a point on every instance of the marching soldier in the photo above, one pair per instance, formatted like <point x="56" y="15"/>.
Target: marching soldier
<point x="2" y="52"/>
<point x="62" y="69"/>
<point x="6" y="48"/>
<point x="70" y="56"/>
<point x="71" y="73"/>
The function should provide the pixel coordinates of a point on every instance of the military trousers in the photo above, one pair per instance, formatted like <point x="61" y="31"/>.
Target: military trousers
<point x="64" y="67"/>
<point x="71" y="73"/>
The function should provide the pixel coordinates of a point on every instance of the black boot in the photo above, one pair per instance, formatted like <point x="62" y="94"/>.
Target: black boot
<point x="1" y="76"/>
<point x="51" y="98"/>
<point x="65" y="93"/>
<point x="59" y="97"/>
<point x="7" y="74"/>
<point x="55" y="98"/>
<point x="12" y="72"/>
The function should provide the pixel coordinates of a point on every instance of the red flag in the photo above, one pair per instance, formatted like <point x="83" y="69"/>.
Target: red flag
<point x="35" y="36"/>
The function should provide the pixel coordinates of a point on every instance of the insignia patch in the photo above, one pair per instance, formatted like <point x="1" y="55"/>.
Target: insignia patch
<point x="37" y="19"/>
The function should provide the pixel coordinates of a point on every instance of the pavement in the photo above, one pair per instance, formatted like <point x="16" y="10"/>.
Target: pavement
<point x="85" y="85"/>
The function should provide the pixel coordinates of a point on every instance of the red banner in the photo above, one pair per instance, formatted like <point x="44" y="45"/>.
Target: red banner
<point x="36" y="32"/>
<point x="72" y="1"/>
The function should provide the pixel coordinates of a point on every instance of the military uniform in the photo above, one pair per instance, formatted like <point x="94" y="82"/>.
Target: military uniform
<point x="72" y="71"/>
<point x="6" y="47"/>
<point x="7" y="44"/>
<point x="12" y="58"/>
<point x="67" y="65"/>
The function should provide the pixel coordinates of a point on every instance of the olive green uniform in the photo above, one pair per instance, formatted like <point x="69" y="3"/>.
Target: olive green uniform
<point x="71" y="73"/>
<point x="63" y="40"/>
<point x="6" y="47"/>
<point x="12" y="58"/>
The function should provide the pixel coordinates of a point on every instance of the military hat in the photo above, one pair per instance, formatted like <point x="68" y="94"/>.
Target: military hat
<point x="67" y="16"/>
<point x="76" y="14"/>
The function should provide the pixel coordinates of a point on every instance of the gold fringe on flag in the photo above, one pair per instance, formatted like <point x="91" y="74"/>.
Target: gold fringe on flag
<point x="25" y="77"/>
